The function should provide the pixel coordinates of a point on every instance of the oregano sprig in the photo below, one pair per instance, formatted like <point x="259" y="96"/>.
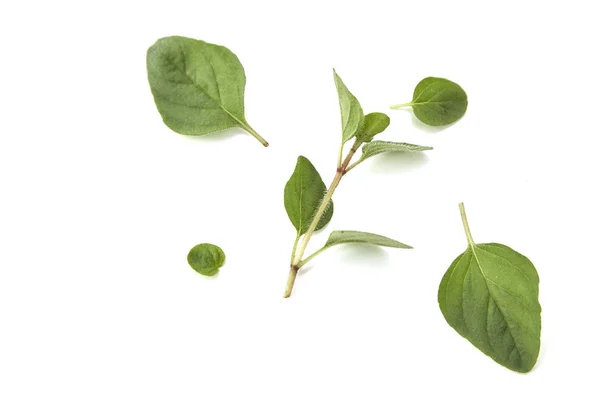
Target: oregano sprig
<point x="308" y="209"/>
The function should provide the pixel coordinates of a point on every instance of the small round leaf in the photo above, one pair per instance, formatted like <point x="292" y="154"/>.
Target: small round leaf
<point x="206" y="259"/>
<point x="438" y="101"/>
<point x="373" y="124"/>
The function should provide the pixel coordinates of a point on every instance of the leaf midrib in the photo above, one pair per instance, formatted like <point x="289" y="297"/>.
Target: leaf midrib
<point x="301" y="198"/>
<point x="192" y="82"/>
<point x="472" y="246"/>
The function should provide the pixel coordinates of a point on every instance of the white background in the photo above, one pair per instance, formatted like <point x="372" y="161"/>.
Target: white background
<point x="100" y="202"/>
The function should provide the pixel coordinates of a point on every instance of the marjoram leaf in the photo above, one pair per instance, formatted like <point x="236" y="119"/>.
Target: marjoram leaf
<point x="198" y="87"/>
<point x="379" y="146"/>
<point x="489" y="295"/>
<point x="352" y="113"/>
<point x="303" y="194"/>
<point x="373" y="124"/>
<point x="340" y="237"/>
<point x="438" y="101"/>
<point x="206" y="259"/>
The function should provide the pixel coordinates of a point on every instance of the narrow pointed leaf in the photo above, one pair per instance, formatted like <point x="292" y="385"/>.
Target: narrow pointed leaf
<point x="373" y="124"/>
<point x="341" y="237"/>
<point x="379" y="146"/>
<point x="352" y="113"/>
<point x="198" y="87"/>
<point x="489" y="295"/>
<point x="303" y="194"/>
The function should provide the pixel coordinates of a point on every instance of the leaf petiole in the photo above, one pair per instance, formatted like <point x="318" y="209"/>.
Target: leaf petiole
<point x="251" y="131"/>
<point x="398" y="106"/>
<point x="463" y="215"/>
<point x="294" y="248"/>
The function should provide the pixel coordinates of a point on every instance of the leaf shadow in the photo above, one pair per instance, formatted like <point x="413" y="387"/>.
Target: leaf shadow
<point x="416" y="122"/>
<point x="356" y="254"/>
<point x="398" y="162"/>
<point x="209" y="277"/>
<point x="364" y="255"/>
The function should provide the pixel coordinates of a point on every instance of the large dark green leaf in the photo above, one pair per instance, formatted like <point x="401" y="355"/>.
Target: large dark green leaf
<point x="489" y="295"/>
<point x="198" y="87"/>
<point x="303" y="194"/>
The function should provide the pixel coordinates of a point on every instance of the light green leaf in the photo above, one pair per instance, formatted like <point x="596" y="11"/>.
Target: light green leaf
<point x="303" y="194"/>
<point x="374" y="123"/>
<point x="198" y="87"/>
<point x="340" y="237"/>
<point x="379" y="146"/>
<point x="206" y="259"/>
<point x="489" y="295"/>
<point x="352" y="113"/>
<point x="437" y="101"/>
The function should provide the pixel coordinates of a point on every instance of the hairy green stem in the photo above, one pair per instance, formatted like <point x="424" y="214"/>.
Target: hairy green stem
<point x="463" y="215"/>
<point x="299" y="251"/>
<point x="294" y="248"/>
<point x="339" y="164"/>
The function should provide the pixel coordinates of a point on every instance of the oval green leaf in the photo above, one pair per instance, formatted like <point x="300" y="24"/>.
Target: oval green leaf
<point x="206" y="258"/>
<point x="352" y="113"/>
<point x="379" y="146"/>
<point x="373" y="124"/>
<point x="303" y="194"/>
<point x="198" y="87"/>
<point x="489" y="295"/>
<point x="437" y="101"/>
<point x="341" y="237"/>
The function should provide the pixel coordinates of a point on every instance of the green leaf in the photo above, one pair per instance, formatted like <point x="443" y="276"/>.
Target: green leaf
<point x="437" y="101"/>
<point x="198" y="87"/>
<point x="340" y="237"/>
<point x="303" y="194"/>
<point x="352" y="113"/>
<point x="489" y="295"/>
<point x="206" y="259"/>
<point x="379" y="146"/>
<point x="374" y="123"/>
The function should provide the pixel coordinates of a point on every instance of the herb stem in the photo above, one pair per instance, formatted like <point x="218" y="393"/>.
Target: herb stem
<point x="463" y="215"/>
<point x="251" y="131"/>
<point x="320" y="211"/>
<point x="290" y="282"/>
<point x="397" y="106"/>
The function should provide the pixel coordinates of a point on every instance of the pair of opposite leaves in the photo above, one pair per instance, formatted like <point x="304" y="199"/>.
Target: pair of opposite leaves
<point x="489" y="294"/>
